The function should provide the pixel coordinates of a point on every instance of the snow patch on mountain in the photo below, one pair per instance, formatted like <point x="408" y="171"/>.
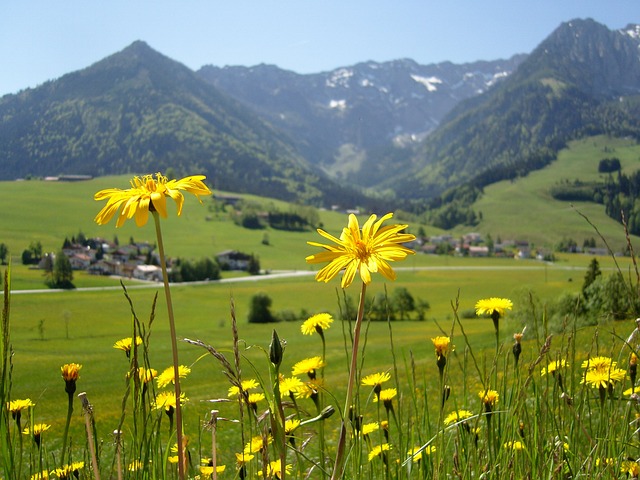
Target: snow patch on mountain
<point x="430" y="83"/>
<point x="338" y="104"/>
<point x="339" y="78"/>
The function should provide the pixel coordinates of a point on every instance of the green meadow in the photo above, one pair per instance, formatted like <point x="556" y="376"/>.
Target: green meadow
<point x="52" y="328"/>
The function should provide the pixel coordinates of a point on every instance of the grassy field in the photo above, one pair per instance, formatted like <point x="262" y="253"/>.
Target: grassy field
<point x="524" y="209"/>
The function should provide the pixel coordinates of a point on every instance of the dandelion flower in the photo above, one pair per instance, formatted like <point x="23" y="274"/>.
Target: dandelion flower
<point x="246" y="386"/>
<point x="126" y="344"/>
<point x="254" y="398"/>
<point x="513" y="445"/>
<point x="242" y="458"/>
<point x="363" y="251"/>
<point x="43" y="475"/>
<point x="256" y="444"/>
<point x="308" y="366"/>
<point x="457" y="416"/>
<point x="16" y="406"/>
<point x="603" y="378"/>
<point x="316" y="323"/>
<point x="70" y="372"/>
<point x="289" y="385"/>
<point x="631" y="468"/>
<point x="379" y="450"/>
<point x="208" y="469"/>
<point x="376" y="379"/>
<point x="631" y="391"/>
<point x="441" y="345"/>
<point x="38" y="428"/>
<point x="309" y="389"/>
<point x="167" y="400"/>
<point x="147" y="194"/>
<point x="489" y="398"/>
<point x="369" y="428"/>
<point x="274" y="470"/>
<point x="416" y="452"/>
<point x="147" y="374"/>
<point x="135" y="466"/>
<point x="386" y="395"/>
<point x="168" y="375"/>
<point x="67" y="471"/>
<point x="492" y="306"/>
<point x="553" y="367"/>
<point x="599" y="363"/>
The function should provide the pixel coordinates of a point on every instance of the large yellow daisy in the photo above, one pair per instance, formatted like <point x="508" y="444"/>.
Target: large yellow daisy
<point x="364" y="251"/>
<point x="146" y="194"/>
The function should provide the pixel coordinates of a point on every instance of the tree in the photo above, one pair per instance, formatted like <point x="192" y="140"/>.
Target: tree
<point x="403" y="301"/>
<point x="593" y="272"/>
<point x="62" y="276"/>
<point x="4" y="251"/>
<point x="254" y="265"/>
<point x="260" y="309"/>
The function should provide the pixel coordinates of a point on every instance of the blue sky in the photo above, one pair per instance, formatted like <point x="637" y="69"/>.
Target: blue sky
<point x="41" y="40"/>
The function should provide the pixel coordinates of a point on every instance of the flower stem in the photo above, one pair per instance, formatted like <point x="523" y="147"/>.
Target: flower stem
<point x="174" y="347"/>
<point x="65" y="436"/>
<point x="339" y="464"/>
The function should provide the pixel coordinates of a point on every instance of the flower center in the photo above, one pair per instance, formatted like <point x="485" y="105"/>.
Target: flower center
<point x="361" y="250"/>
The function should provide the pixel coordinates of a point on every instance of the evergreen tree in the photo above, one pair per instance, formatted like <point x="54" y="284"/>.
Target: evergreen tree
<point x="260" y="309"/>
<point x="4" y="251"/>
<point x="62" y="276"/>
<point x="593" y="272"/>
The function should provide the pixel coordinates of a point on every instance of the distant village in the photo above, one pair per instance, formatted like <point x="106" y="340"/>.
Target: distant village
<point x="140" y="260"/>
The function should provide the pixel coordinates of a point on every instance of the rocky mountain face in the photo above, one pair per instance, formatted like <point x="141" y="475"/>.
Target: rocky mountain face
<point x="584" y="79"/>
<point x="339" y="118"/>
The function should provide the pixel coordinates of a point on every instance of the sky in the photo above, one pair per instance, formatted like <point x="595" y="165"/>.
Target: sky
<point x="41" y="40"/>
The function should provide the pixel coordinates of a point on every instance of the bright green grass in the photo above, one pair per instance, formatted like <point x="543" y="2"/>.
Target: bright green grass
<point x="523" y="209"/>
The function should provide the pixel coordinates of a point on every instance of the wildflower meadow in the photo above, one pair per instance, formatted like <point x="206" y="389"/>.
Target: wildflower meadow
<point x="536" y="403"/>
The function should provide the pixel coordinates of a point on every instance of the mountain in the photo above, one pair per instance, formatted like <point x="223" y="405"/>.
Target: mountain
<point x="348" y="119"/>
<point x="583" y="79"/>
<point x="138" y="111"/>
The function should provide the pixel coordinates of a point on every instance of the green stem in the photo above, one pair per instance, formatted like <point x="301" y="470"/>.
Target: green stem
<point x="339" y="464"/>
<point x="174" y="347"/>
<point x="66" y="428"/>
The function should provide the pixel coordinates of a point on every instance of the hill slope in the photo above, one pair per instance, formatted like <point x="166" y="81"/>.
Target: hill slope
<point x="138" y="111"/>
<point x="582" y="80"/>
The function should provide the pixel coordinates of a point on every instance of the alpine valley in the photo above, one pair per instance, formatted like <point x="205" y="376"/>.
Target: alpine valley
<point x="395" y="132"/>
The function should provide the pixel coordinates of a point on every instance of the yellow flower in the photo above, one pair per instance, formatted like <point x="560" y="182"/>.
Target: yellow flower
<point x="363" y="251"/>
<point x="256" y="444"/>
<point x="274" y="470"/>
<point x="255" y="398"/>
<point x="167" y="400"/>
<point x="242" y="458"/>
<point x="599" y="363"/>
<point x="147" y="374"/>
<point x="376" y="379"/>
<point x="135" y="465"/>
<point x="208" y="469"/>
<point x="308" y="366"/>
<point x="316" y="323"/>
<point x="147" y="194"/>
<point x="514" y="445"/>
<point x="493" y="305"/>
<point x="289" y="385"/>
<point x="488" y="397"/>
<point x="309" y="388"/>
<point x="630" y="467"/>
<point x="369" y="428"/>
<point x="126" y="344"/>
<point x="631" y="391"/>
<point x="38" y="428"/>
<point x="70" y="372"/>
<point x="457" y="416"/>
<point x="386" y="395"/>
<point x="290" y="425"/>
<point x="598" y="378"/>
<point x="43" y="475"/>
<point x="246" y="386"/>
<point x="379" y="450"/>
<point x="416" y="452"/>
<point x="441" y="345"/>
<point x="553" y="366"/>
<point x="15" y="406"/>
<point x="168" y="375"/>
<point x="68" y="470"/>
